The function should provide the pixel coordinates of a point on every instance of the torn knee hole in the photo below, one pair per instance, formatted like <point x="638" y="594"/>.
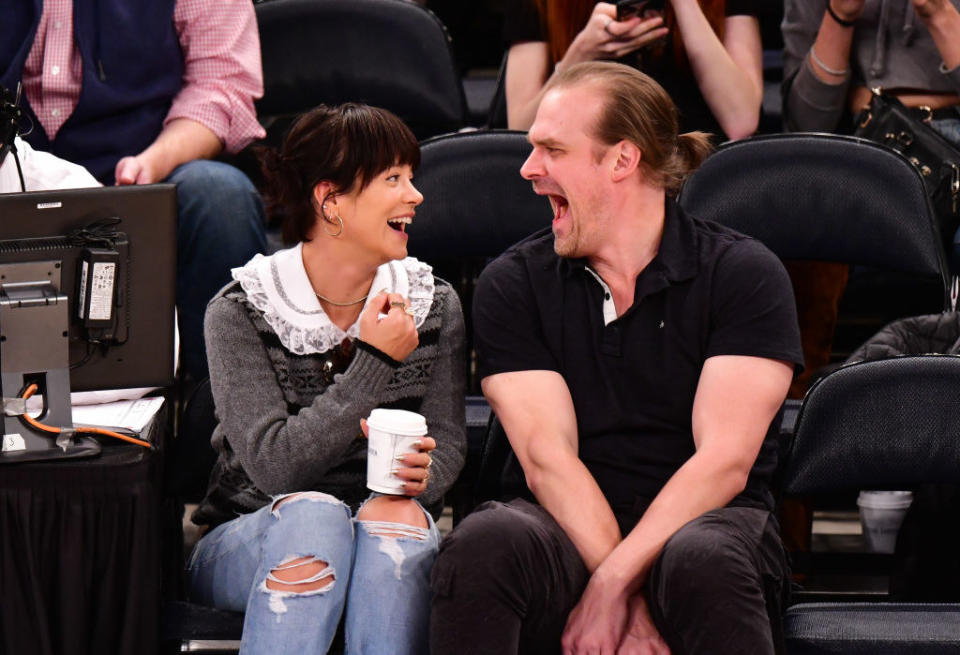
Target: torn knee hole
<point x="395" y="530"/>
<point x="301" y="575"/>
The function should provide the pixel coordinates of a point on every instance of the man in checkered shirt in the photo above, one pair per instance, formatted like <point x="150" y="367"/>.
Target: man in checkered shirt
<point x="143" y="91"/>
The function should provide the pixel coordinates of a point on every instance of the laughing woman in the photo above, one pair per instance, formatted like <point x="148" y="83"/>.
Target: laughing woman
<point x="302" y="346"/>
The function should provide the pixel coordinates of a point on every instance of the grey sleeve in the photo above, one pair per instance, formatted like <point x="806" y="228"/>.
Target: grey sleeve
<point x="809" y="103"/>
<point x="443" y="403"/>
<point x="954" y="76"/>
<point x="281" y="452"/>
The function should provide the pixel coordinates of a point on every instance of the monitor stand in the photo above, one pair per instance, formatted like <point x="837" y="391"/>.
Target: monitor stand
<point x="34" y="347"/>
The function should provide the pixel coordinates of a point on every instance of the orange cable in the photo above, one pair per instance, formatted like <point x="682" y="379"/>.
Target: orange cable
<point x="32" y="389"/>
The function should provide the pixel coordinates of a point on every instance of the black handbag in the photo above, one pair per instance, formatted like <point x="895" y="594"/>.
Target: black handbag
<point x="886" y="120"/>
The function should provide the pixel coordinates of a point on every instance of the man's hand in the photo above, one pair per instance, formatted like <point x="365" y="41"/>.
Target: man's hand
<point x="137" y="169"/>
<point x="182" y="140"/>
<point x="597" y="624"/>
<point x="641" y="637"/>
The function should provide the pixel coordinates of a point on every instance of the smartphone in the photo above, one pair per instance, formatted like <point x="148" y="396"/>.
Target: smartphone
<point x="630" y="8"/>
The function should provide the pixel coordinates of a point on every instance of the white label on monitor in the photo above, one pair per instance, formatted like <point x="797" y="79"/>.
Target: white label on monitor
<point x="13" y="442"/>
<point x="83" y="288"/>
<point x="49" y="205"/>
<point x="101" y="291"/>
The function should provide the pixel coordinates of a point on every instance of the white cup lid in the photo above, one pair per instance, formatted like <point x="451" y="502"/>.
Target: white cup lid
<point x="398" y="421"/>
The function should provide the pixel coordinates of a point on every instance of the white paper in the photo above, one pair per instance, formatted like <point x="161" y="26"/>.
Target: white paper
<point x="129" y="414"/>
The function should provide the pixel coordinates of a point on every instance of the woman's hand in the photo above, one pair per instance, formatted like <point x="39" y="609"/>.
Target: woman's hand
<point x="604" y="37"/>
<point x="395" y="334"/>
<point x="927" y="9"/>
<point x="413" y="468"/>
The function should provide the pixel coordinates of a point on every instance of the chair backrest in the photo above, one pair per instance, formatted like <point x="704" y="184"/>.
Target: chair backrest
<point x="822" y="197"/>
<point x="890" y="423"/>
<point x="475" y="206"/>
<point x="475" y="202"/>
<point x="388" y="53"/>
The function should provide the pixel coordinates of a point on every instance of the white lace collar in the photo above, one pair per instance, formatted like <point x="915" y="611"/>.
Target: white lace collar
<point x="278" y="286"/>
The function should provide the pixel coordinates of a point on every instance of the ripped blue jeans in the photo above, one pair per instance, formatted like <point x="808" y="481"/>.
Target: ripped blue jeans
<point x="376" y="573"/>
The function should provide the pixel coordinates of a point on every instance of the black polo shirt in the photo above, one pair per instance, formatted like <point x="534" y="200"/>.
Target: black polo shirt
<point x="709" y="291"/>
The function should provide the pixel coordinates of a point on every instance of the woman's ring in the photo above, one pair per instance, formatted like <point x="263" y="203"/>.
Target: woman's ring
<point x="398" y="303"/>
<point x="429" y="462"/>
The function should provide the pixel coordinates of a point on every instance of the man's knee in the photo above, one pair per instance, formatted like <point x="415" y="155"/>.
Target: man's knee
<point x="204" y="176"/>
<point x="217" y="198"/>
<point x="699" y="546"/>
<point x="705" y="558"/>
<point x="494" y="538"/>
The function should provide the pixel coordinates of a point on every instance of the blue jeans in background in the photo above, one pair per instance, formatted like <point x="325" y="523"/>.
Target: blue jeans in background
<point x="220" y="225"/>
<point x="381" y="582"/>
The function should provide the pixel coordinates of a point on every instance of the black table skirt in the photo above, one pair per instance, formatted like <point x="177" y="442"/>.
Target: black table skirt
<point x="80" y="552"/>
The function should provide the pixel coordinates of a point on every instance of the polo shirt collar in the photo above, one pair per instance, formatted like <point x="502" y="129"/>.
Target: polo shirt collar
<point x="676" y="259"/>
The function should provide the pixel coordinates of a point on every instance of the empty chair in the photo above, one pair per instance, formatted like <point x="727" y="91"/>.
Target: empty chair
<point x="388" y="53"/>
<point x="475" y="202"/>
<point x="822" y="197"/>
<point x="885" y="424"/>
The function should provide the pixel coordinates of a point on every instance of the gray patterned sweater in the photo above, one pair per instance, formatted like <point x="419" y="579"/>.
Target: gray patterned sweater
<point x="285" y="426"/>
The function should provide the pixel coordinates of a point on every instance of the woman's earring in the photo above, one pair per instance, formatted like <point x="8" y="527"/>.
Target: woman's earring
<point x="323" y="212"/>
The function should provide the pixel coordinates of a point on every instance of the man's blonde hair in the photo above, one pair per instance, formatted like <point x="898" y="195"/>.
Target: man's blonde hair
<point x="638" y="110"/>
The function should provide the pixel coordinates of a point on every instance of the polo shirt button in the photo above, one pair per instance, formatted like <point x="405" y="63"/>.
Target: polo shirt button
<point x="606" y="296"/>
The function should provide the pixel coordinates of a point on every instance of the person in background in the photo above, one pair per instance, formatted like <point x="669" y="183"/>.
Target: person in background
<point x="148" y="92"/>
<point x="707" y="54"/>
<point x="635" y="357"/>
<point x="836" y="51"/>
<point x="303" y="345"/>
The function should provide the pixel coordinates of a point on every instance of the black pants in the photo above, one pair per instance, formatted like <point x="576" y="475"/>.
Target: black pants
<point x="507" y="577"/>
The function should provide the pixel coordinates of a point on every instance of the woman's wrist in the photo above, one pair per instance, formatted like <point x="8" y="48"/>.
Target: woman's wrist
<point x="845" y="20"/>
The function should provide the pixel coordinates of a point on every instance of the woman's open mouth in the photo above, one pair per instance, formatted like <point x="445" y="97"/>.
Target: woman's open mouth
<point x="400" y="223"/>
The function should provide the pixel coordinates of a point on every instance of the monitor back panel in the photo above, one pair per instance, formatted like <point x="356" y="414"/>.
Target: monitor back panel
<point x="147" y="290"/>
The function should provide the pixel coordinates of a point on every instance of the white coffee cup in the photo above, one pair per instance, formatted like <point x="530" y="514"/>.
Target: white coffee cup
<point x="881" y="514"/>
<point x="392" y="433"/>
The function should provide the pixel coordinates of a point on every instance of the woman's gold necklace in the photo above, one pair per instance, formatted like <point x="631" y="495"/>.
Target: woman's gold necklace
<point x="340" y="304"/>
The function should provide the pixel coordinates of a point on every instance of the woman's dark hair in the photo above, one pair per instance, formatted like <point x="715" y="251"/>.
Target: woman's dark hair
<point x="345" y="145"/>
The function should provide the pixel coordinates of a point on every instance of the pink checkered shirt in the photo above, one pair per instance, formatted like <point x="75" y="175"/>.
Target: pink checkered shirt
<point x="222" y="72"/>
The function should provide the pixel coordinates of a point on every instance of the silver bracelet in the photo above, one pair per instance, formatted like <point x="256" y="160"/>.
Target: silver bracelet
<point x="832" y="71"/>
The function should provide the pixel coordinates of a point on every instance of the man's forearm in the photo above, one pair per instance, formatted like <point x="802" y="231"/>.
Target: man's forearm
<point x="181" y="141"/>
<point x="537" y="413"/>
<point x="700" y="485"/>
<point x="565" y="488"/>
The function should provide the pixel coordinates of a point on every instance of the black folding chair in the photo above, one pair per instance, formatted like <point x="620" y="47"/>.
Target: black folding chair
<point x="885" y="424"/>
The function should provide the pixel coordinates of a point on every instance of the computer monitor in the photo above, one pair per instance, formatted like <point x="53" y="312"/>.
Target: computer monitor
<point x="87" y="293"/>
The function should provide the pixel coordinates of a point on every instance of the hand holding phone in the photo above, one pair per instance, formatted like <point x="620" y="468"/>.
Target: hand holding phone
<point x="630" y="8"/>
